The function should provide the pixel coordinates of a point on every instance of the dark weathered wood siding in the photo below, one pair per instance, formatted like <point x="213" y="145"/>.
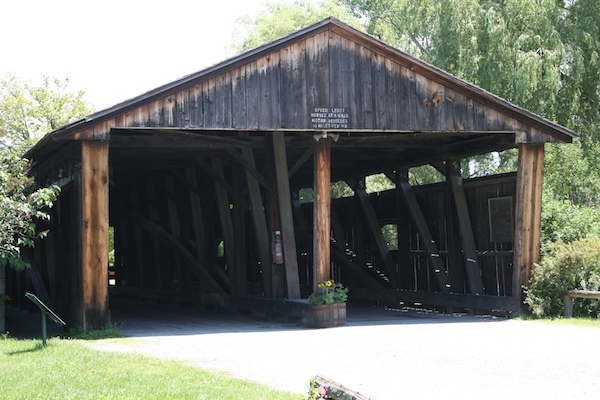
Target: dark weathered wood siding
<point x="279" y="90"/>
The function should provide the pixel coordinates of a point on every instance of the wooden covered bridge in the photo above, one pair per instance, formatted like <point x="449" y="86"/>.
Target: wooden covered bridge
<point x="204" y="184"/>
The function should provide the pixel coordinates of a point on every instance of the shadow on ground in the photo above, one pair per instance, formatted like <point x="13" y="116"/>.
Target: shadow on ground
<point x="145" y="318"/>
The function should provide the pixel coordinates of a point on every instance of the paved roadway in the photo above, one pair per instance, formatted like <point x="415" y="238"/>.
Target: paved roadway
<point x="381" y="354"/>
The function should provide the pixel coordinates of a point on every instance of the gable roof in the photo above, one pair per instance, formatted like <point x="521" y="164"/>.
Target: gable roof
<point x="325" y="48"/>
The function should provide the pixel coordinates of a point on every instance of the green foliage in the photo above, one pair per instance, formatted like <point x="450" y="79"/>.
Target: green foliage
<point x="565" y="266"/>
<point x="22" y="204"/>
<point x="390" y="234"/>
<point x="107" y="333"/>
<point x="423" y="175"/>
<point x="570" y="195"/>
<point x="69" y="369"/>
<point x="571" y="175"/>
<point x="378" y="183"/>
<point x="316" y="391"/>
<point x="587" y="322"/>
<point x="28" y="111"/>
<point x="341" y="189"/>
<point x="281" y="18"/>
<point x="329" y="292"/>
<point x="566" y="222"/>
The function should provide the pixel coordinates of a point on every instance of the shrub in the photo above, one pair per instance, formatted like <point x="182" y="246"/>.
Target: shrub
<point x="566" y="266"/>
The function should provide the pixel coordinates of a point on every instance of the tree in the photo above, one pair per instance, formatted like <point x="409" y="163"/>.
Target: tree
<point x="27" y="111"/>
<point x="21" y="205"/>
<point x="281" y="18"/>
<point x="542" y="55"/>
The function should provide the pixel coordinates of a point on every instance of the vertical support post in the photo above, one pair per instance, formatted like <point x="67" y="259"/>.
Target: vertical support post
<point x="238" y="280"/>
<point x="94" y="160"/>
<point x="322" y="211"/>
<point x="528" y="215"/>
<point x="277" y="271"/>
<point x="285" y="212"/>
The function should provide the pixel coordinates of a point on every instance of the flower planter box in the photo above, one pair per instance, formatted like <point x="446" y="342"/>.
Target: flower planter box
<point x="329" y="315"/>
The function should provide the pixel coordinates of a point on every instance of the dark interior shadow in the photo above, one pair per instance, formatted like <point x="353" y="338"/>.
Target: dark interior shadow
<point x="136" y="318"/>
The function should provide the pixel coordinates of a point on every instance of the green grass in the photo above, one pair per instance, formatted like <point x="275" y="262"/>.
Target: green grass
<point x="589" y="322"/>
<point x="70" y="369"/>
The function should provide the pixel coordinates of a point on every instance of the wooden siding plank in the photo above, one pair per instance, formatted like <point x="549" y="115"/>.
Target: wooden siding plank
<point x="252" y="94"/>
<point x="380" y="91"/>
<point x="336" y="83"/>
<point x="301" y="112"/>
<point x="223" y="101"/>
<point x="424" y="103"/>
<point x="285" y="211"/>
<point x="317" y="71"/>
<point x="364" y="91"/>
<point x="94" y="157"/>
<point x="195" y="120"/>
<point x="392" y="93"/>
<point x="269" y="101"/>
<point x="349" y="85"/>
<point x="238" y="87"/>
<point x="287" y="87"/>
<point x="209" y="103"/>
<point x="408" y="99"/>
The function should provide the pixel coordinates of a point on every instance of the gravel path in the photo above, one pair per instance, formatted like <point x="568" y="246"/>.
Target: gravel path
<point x="382" y="354"/>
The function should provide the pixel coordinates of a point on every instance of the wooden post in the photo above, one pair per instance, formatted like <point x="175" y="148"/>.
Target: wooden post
<point x="322" y="212"/>
<point x="528" y="216"/>
<point x="285" y="212"/>
<point x="238" y="280"/>
<point x="94" y="160"/>
<point x="277" y="271"/>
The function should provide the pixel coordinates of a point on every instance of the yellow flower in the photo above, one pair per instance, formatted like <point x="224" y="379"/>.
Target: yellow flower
<point x="320" y="285"/>
<point x="329" y="283"/>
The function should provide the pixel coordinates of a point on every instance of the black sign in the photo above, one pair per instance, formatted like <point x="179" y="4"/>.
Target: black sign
<point x="329" y="118"/>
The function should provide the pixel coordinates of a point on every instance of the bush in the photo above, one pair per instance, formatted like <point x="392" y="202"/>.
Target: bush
<point x="571" y="266"/>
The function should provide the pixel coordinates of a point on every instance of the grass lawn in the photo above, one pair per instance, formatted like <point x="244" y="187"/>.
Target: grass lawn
<point x="590" y="322"/>
<point x="69" y="369"/>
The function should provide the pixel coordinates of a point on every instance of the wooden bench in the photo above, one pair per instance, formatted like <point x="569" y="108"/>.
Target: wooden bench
<point x="569" y="295"/>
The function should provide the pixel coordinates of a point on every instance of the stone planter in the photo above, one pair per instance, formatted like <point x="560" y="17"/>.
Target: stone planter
<point x="329" y="315"/>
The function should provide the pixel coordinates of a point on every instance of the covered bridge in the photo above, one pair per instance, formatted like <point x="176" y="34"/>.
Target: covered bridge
<point x="203" y="181"/>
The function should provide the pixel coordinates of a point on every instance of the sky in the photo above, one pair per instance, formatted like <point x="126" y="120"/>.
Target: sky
<point x="116" y="49"/>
